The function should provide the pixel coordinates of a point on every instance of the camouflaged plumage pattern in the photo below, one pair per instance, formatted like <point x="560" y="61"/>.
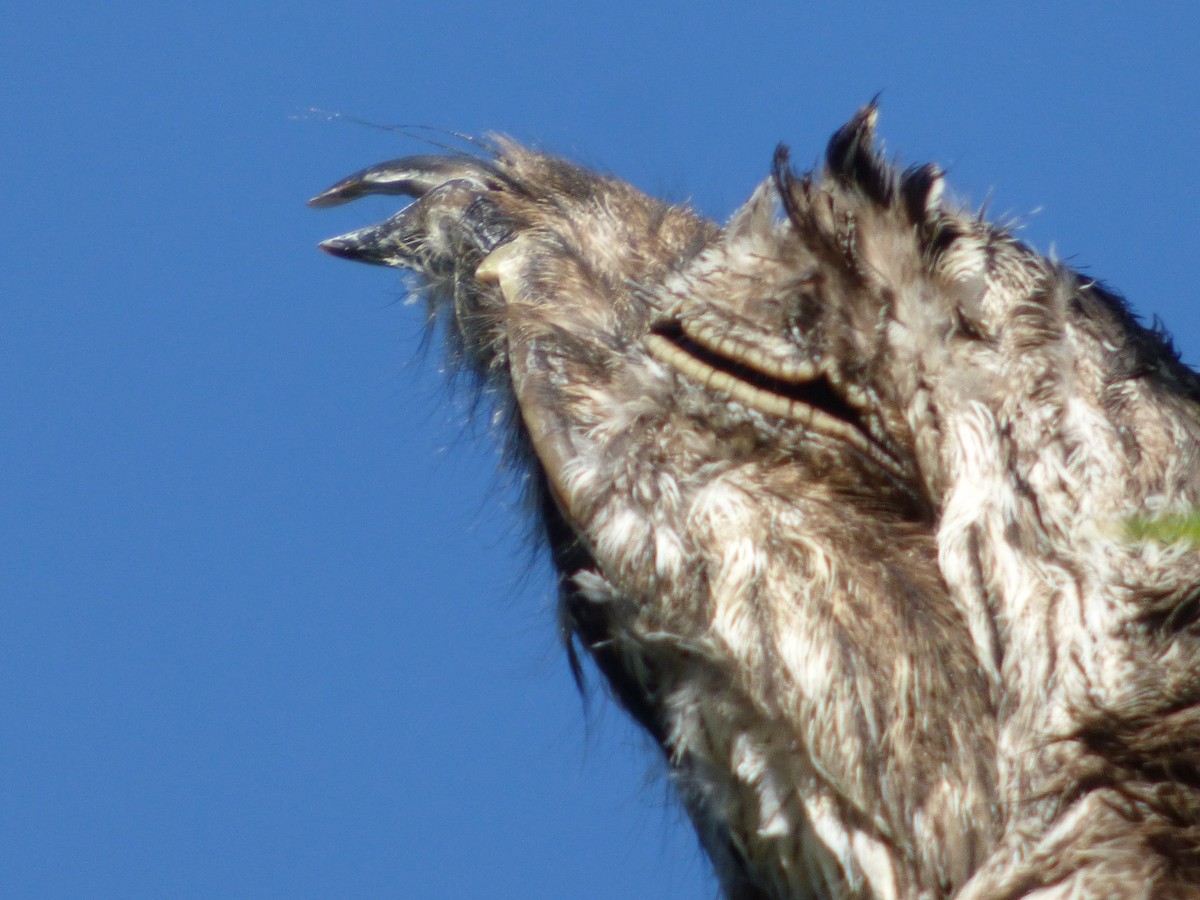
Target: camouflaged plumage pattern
<point x="836" y="497"/>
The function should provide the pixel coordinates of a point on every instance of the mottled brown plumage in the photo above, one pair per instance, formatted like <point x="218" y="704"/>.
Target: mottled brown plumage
<point x="836" y="494"/>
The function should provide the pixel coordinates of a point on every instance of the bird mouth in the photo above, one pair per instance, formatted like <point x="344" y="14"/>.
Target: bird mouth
<point x="797" y="390"/>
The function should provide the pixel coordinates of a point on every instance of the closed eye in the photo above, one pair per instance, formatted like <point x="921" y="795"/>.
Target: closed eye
<point x="814" y="401"/>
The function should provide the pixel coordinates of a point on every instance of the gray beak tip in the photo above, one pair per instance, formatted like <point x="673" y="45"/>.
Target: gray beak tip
<point x="332" y="196"/>
<point x="341" y="247"/>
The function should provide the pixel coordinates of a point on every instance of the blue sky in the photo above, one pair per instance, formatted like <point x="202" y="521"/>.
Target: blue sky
<point x="268" y="622"/>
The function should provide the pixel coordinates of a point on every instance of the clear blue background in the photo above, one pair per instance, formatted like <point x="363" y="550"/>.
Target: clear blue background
<point x="268" y="622"/>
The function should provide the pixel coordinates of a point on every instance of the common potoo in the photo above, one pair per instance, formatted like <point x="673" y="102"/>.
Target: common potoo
<point x="836" y="495"/>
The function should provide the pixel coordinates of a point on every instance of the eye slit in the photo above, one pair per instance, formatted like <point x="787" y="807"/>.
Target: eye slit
<point x="816" y="392"/>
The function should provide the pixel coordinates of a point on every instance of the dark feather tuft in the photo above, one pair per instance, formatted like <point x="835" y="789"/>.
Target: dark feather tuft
<point x="852" y="155"/>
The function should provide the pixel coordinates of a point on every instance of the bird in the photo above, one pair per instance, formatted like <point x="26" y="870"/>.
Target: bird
<point x="838" y="497"/>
